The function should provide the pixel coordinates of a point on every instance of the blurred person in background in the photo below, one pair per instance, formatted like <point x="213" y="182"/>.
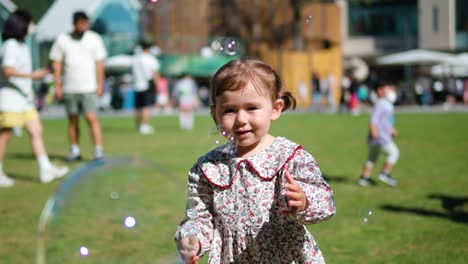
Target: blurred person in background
<point x="353" y="99"/>
<point x="330" y="82"/>
<point x="79" y="56"/>
<point x="465" y="91"/>
<point x="145" y="69"/>
<point x="345" y="95"/>
<point x="185" y="92"/>
<point x="316" y="91"/>
<point x="162" y="99"/>
<point x="17" y="107"/>
<point x="380" y="138"/>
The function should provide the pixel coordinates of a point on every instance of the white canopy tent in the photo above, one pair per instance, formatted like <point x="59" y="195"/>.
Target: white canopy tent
<point x="8" y="5"/>
<point x="457" y="67"/>
<point x="119" y="62"/>
<point x="58" y="18"/>
<point x="415" y="57"/>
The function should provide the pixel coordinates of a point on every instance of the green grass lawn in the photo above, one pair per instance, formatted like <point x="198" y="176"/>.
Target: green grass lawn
<point x="423" y="220"/>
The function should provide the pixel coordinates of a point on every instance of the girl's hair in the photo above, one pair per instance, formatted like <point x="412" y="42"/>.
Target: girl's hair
<point x="16" y="25"/>
<point x="236" y="74"/>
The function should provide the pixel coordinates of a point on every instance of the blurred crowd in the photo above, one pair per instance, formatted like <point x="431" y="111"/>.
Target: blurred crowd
<point x="119" y="93"/>
<point x="423" y="90"/>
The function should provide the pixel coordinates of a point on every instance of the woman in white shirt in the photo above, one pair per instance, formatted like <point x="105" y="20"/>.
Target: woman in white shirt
<point x="17" y="107"/>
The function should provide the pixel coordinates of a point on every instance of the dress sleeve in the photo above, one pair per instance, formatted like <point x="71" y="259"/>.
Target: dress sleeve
<point x="306" y="172"/>
<point x="198" y="214"/>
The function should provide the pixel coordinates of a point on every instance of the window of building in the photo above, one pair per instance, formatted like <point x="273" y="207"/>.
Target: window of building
<point x="461" y="16"/>
<point x="386" y="18"/>
<point x="435" y="19"/>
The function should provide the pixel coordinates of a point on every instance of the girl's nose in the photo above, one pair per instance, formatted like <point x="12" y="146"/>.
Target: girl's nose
<point x="241" y="118"/>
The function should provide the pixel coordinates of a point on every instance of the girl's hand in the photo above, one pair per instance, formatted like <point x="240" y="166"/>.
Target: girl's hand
<point x="297" y="200"/>
<point x="188" y="249"/>
<point x="394" y="132"/>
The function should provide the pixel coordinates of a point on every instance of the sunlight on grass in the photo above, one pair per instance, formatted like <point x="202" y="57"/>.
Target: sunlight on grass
<point x="423" y="220"/>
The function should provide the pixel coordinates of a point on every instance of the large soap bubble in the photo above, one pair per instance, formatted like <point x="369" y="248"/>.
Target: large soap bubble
<point x="114" y="210"/>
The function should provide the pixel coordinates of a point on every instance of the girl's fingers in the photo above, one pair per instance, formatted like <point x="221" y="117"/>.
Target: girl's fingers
<point x="290" y="178"/>
<point x="293" y="187"/>
<point x="296" y="204"/>
<point x="296" y="196"/>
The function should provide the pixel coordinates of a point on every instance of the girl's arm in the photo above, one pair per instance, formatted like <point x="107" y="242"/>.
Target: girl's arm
<point x="320" y="201"/>
<point x="198" y="220"/>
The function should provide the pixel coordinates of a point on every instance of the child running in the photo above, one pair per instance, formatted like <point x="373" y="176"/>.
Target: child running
<point x="251" y="207"/>
<point x="381" y="134"/>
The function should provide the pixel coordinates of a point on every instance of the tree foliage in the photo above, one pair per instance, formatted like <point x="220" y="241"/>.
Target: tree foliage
<point x="36" y="7"/>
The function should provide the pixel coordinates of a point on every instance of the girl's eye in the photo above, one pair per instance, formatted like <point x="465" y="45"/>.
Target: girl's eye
<point x="227" y="111"/>
<point x="252" y="108"/>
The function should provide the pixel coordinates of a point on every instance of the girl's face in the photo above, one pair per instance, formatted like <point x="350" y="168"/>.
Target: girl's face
<point x="247" y="114"/>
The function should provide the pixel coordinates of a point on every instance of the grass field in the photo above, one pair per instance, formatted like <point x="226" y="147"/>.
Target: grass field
<point x="423" y="220"/>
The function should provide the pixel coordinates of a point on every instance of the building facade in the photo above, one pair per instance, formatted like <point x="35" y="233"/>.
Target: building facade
<point x="373" y="28"/>
<point x="443" y="24"/>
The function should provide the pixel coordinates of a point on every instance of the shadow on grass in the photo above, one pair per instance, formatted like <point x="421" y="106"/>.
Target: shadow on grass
<point x="52" y="156"/>
<point x="334" y="178"/>
<point x="22" y="177"/>
<point x="30" y="156"/>
<point x="450" y="204"/>
<point x="117" y="129"/>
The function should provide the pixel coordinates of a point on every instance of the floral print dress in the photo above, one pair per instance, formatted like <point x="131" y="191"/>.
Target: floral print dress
<point x="234" y="206"/>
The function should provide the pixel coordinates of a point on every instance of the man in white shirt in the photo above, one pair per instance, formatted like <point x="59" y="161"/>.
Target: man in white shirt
<point x="145" y="76"/>
<point x="79" y="55"/>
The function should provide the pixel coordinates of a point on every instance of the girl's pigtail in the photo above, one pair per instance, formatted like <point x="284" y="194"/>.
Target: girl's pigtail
<point x="289" y="101"/>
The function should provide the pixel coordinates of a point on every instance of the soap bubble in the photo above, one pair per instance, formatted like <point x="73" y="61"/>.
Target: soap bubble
<point x="84" y="251"/>
<point x="222" y="140"/>
<point x="114" y="210"/>
<point x="216" y="45"/>
<point x="230" y="46"/>
<point x="129" y="222"/>
<point x="150" y="4"/>
<point x="226" y="46"/>
<point x="308" y="19"/>
<point x="366" y="215"/>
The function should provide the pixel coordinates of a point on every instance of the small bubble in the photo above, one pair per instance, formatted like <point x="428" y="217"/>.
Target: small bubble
<point x="114" y="195"/>
<point x="216" y="45"/>
<point x="84" y="251"/>
<point x="224" y="140"/>
<point x="230" y="47"/>
<point x="308" y="19"/>
<point x="365" y="215"/>
<point x="129" y="222"/>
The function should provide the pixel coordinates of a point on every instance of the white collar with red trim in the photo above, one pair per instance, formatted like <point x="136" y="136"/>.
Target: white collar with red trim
<point x="220" y="167"/>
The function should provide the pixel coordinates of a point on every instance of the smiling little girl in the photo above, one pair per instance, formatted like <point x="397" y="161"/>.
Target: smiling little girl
<point x="251" y="207"/>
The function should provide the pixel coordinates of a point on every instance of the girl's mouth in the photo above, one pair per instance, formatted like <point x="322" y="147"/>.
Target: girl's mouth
<point x="242" y="134"/>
